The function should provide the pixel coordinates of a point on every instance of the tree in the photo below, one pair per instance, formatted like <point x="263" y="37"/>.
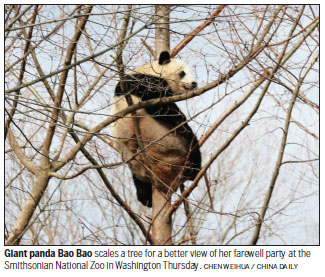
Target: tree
<point x="256" y="115"/>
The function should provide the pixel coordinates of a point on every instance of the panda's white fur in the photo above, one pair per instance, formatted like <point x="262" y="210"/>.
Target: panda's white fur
<point x="170" y="72"/>
<point x="166" y="149"/>
<point x="166" y="152"/>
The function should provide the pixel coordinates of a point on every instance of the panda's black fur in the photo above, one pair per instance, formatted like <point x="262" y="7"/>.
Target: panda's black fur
<point x="148" y="87"/>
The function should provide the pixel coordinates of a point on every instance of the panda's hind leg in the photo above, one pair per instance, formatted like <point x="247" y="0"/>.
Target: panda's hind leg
<point x="144" y="191"/>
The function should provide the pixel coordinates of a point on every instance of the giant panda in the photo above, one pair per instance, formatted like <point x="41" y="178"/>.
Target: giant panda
<point x="171" y="153"/>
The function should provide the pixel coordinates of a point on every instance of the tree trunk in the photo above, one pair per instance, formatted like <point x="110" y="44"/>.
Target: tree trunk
<point x="162" y="30"/>
<point x="28" y="209"/>
<point x="161" y="220"/>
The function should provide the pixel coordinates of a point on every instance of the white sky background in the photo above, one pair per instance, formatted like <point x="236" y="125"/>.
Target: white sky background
<point x="302" y="216"/>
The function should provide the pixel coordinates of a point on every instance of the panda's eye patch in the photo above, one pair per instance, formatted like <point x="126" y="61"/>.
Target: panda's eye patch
<point x="182" y="74"/>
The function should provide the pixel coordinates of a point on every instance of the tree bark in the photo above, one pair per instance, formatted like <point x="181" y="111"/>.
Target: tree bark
<point x="162" y="29"/>
<point x="28" y="210"/>
<point x="161" y="220"/>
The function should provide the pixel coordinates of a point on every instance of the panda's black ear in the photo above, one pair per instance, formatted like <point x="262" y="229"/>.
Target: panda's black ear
<point x="164" y="57"/>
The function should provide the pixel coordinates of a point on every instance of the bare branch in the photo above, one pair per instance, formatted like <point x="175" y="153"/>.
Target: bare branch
<point x="149" y="48"/>
<point x="198" y="29"/>
<point x="20" y="155"/>
<point x="280" y="154"/>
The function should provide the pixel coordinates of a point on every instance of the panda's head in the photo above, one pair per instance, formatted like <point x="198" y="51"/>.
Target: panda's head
<point x="174" y="71"/>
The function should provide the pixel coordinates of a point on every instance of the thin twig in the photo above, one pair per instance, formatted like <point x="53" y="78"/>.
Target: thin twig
<point x="278" y="164"/>
<point x="149" y="48"/>
<point x="190" y="36"/>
